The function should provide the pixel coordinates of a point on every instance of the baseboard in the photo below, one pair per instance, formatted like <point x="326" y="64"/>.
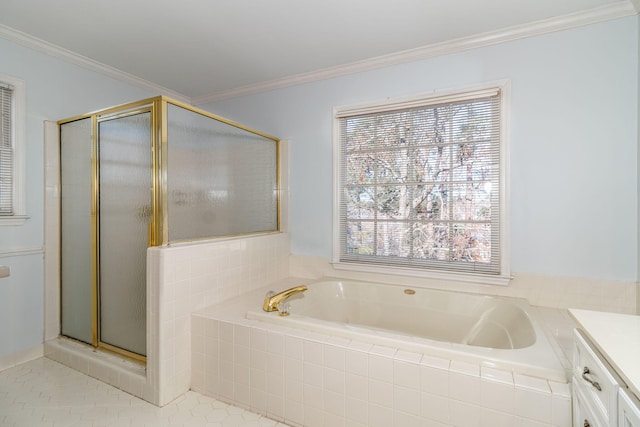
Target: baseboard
<point x="20" y="357"/>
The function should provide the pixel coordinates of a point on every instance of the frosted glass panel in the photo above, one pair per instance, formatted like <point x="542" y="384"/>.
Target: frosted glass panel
<point x="75" y="243"/>
<point x="125" y="212"/>
<point x="221" y="180"/>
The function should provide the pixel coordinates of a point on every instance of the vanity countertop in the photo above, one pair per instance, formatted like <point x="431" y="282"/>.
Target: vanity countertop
<point x="617" y="337"/>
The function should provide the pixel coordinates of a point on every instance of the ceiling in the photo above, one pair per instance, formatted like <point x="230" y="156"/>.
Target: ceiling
<point x="204" y="49"/>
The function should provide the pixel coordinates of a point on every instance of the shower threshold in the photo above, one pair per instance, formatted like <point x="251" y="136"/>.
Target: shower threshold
<point x="105" y="366"/>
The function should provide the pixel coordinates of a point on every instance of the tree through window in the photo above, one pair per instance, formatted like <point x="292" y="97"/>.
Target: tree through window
<point x="419" y="184"/>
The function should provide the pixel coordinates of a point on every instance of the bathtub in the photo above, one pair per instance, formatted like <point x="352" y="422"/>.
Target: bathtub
<point x="489" y="331"/>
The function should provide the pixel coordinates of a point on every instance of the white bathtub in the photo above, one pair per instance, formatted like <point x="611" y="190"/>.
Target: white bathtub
<point x="487" y="330"/>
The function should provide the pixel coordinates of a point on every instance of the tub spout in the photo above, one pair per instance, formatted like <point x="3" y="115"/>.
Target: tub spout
<point x="271" y="302"/>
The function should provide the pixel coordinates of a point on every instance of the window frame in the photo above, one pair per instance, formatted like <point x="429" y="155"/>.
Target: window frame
<point x="390" y="104"/>
<point x="18" y="202"/>
<point x="19" y="215"/>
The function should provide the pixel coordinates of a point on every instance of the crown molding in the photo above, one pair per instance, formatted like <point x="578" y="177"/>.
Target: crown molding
<point x="614" y="11"/>
<point x="605" y="13"/>
<point x="63" y="54"/>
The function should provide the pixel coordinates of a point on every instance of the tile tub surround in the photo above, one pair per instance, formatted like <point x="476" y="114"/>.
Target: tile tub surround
<point x="308" y="379"/>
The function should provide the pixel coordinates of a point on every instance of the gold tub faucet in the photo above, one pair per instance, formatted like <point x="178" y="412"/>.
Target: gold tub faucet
<point x="271" y="301"/>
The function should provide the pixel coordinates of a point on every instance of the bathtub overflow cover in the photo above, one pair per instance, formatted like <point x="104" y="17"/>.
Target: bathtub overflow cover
<point x="409" y="291"/>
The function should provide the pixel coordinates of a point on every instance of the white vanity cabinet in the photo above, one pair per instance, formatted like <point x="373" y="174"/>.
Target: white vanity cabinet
<point x="600" y="397"/>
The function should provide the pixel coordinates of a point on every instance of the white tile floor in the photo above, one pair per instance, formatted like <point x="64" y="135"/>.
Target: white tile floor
<point x="44" y="393"/>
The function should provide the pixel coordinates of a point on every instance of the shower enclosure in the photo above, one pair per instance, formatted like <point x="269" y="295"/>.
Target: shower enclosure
<point x="150" y="173"/>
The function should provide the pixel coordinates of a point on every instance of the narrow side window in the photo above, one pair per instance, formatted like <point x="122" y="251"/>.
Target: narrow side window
<point x="12" y="161"/>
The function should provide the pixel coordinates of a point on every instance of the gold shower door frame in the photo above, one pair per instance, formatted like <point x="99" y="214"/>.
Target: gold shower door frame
<point x="158" y="226"/>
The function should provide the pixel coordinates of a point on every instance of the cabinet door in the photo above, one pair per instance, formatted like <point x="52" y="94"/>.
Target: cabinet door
<point x="628" y="410"/>
<point x="582" y="414"/>
<point x="598" y="384"/>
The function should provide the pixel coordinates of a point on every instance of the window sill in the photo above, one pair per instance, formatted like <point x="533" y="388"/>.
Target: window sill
<point x="13" y="220"/>
<point x="479" y="279"/>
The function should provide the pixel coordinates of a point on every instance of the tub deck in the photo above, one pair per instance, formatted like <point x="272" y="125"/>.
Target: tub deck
<point x="553" y="327"/>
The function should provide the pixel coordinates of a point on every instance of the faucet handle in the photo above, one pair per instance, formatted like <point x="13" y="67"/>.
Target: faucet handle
<point x="283" y="308"/>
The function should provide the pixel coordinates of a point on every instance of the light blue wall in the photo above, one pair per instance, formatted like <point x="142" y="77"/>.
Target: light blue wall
<point x="55" y="90"/>
<point x="574" y="140"/>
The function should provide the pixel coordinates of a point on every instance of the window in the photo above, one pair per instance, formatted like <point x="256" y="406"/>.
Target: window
<point x="12" y="207"/>
<point x="421" y="186"/>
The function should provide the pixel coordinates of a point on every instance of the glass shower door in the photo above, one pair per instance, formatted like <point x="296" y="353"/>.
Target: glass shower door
<point x="125" y="182"/>
<point x="76" y="272"/>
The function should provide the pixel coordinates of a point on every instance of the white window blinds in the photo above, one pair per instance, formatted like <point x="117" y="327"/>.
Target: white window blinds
<point x="419" y="183"/>
<point x="6" y="150"/>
